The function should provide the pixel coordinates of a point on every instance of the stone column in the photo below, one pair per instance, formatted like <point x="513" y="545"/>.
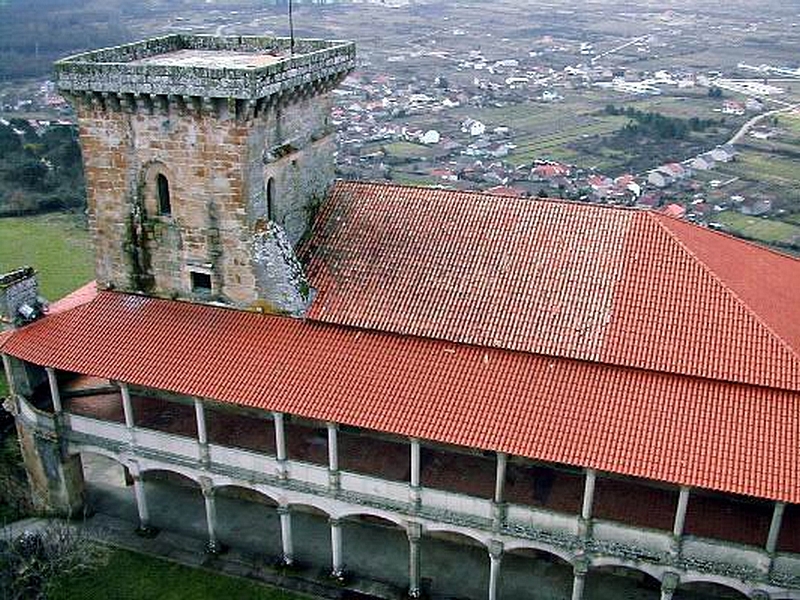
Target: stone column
<point x="337" y="570"/>
<point x="414" y="533"/>
<point x="415" y="492"/>
<point x="287" y="545"/>
<point x="202" y="430"/>
<point x="588" y="501"/>
<point x="7" y="367"/>
<point x="144" y="528"/>
<point x="333" y="457"/>
<point x="579" y="569"/>
<point x="54" y="392"/>
<point x="213" y="546"/>
<point x="680" y="520"/>
<point x="498" y="504"/>
<point x="127" y="407"/>
<point x="495" y="556"/>
<point x="680" y="512"/>
<point x="775" y="527"/>
<point x="280" y="443"/>
<point x="669" y="583"/>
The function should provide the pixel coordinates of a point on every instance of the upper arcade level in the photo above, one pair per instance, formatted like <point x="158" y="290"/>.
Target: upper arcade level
<point x="582" y="516"/>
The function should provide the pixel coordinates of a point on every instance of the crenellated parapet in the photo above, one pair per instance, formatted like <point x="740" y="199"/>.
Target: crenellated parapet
<point x="196" y="72"/>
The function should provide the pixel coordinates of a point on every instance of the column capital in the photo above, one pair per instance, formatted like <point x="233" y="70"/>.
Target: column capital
<point x="284" y="510"/>
<point x="495" y="549"/>
<point x="414" y="531"/>
<point x="669" y="582"/>
<point x="580" y="566"/>
<point x="207" y="486"/>
<point x="334" y="522"/>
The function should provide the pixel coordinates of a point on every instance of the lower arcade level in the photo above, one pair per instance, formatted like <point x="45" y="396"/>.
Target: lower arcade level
<point x="420" y="517"/>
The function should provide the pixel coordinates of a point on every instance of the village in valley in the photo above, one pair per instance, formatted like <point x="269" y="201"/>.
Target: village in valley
<point x="658" y="105"/>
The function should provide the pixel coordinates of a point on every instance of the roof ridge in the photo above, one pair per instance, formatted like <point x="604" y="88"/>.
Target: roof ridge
<point x="653" y="216"/>
<point x="486" y="193"/>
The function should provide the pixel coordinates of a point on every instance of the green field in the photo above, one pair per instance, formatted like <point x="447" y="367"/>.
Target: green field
<point x="132" y="576"/>
<point x="56" y="245"/>
<point x="768" y="231"/>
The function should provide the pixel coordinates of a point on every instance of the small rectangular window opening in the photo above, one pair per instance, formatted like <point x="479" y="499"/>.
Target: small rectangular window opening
<point x="201" y="282"/>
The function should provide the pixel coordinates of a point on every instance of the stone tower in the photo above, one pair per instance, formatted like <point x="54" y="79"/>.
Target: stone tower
<point x="205" y="159"/>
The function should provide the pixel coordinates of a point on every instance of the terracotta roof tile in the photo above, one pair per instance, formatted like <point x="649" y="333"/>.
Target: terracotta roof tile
<point x="573" y="280"/>
<point x="684" y="430"/>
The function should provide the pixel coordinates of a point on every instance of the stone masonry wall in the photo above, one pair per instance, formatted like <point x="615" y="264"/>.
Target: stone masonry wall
<point x="217" y="165"/>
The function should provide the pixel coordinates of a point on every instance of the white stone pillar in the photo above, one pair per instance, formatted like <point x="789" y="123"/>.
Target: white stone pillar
<point x="414" y="533"/>
<point x="287" y="545"/>
<point x="579" y="570"/>
<point x="337" y="570"/>
<point x="141" y="501"/>
<point x="127" y="407"/>
<point x="588" y="494"/>
<point x="500" y="477"/>
<point x="280" y="436"/>
<point x="415" y="462"/>
<point x="200" y="416"/>
<point x="54" y="392"/>
<point x="213" y="545"/>
<point x="202" y="432"/>
<point x="680" y="512"/>
<point x="415" y="489"/>
<point x="775" y="527"/>
<point x="280" y="444"/>
<point x="495" y="556"/>
<point x="333" y="456"/>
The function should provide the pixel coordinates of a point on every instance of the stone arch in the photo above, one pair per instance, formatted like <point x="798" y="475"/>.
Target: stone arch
<point x="451" y="530"/>
<point x="317" y="509"/>
<point x="730" y="584"/>
<point x="147" y="471"/>
<point x="374" y="513"/>
<point x="515" y="545"/>
<point x="271" y="500"/>
<point x="651" y="571"/>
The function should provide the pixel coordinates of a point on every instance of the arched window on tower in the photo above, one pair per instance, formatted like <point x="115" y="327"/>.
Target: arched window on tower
<point x="271" y="198"/>
<point x="162" y="193"/>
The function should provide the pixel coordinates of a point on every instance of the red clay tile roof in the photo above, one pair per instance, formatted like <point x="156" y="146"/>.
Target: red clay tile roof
<point x="684" y="430"/>
<point x="82" y="295"/>
<point x="627" y="287"/>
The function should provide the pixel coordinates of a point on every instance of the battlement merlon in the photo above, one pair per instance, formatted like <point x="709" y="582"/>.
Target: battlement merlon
<point x="206" y="66"/>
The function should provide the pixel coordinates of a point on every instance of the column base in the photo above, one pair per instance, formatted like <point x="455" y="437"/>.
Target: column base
<point x="414" y="593"/>
<point x="215" y="548"/>
<point x="147" y="531"/>
<point x="339" y="576"/>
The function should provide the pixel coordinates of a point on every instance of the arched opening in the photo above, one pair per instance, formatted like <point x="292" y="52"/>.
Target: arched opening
<point x="271" y="199"/>
<point x="175" y="503"/>
<point x="312" y="538"/>
<point x="162" y="195"/>
<point x="248" y="520"/>
<point x="362" y="534"/>
<point x="706" y="590"/>
<point x="454" y="565"/>
<point x="530" y="573"/>
<point x="108" y="486"/>
<point x="621" y="582"/>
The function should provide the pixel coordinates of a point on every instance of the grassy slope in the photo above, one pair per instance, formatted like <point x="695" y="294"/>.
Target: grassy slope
<point x="56" y="245"/>
<point x="132" y="576"/>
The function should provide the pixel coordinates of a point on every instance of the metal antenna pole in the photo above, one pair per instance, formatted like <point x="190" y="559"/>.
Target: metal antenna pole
<point x="291" y="30"/>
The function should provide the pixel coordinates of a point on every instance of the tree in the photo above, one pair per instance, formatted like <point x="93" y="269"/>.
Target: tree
<point x="31" y="561"/>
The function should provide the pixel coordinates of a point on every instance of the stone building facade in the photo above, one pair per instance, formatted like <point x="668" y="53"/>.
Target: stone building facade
<point x="205" y="162"/>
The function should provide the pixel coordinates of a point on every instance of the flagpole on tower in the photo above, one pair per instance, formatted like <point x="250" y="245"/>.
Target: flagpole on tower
<point x="291" y="30"/>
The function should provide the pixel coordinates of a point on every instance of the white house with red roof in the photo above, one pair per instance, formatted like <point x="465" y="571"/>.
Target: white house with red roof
<point x="547" y="394"/>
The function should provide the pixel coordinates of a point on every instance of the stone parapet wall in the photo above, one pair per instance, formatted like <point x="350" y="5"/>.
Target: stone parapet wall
<point x="114" y="70"/>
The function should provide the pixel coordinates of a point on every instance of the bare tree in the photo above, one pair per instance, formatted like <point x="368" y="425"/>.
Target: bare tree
<point x="31" y="561"/>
